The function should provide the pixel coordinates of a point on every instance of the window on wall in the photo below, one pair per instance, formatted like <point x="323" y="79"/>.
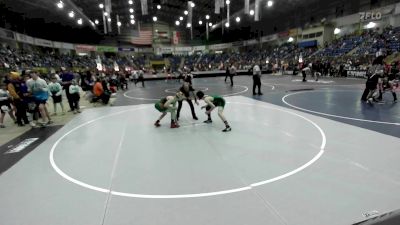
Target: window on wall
<point x="319" y="34"/>
<point x="311" y="35"/>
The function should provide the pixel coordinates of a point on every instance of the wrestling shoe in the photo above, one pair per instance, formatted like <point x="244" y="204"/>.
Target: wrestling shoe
<point x="157" y="123"/>
<point x="227" y="129"/>
<point x="208" y="121"/>
<point x="175" y="125"/>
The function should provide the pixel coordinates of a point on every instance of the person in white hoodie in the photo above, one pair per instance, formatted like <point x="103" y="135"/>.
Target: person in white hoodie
<point x="75" y="96"/>
<point x="55" y="90"/>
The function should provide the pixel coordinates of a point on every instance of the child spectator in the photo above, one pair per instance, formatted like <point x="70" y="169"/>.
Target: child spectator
<point x="5" y="105"/>
<point x="55" y="90"/>
<point x="75" y="97"/>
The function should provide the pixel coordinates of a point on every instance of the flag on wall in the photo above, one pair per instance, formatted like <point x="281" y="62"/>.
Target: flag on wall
<point x="217" y="7"/>
<point x="162" y="34"/>
<point x="143" y="4"/>
<point x="257" y="10"/>
<point x="175" y="37"/>
<point x="142" y="37"/>
<point x="246" y="7"/>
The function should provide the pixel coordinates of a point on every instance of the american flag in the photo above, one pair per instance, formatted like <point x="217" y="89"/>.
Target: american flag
<point x="142" y="37"/>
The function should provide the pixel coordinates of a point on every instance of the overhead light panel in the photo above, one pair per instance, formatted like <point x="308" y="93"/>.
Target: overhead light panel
<point x="337" y="31"/>
<point x="200" y="22"/>
<point x="154" y="18"/>
<point x="101" y="5"/>
<point x="71" y="14"/>
<point x="158" y="6"/>
<point x="177" y="23"/>
<point x="109" y="19"/>
<point x="210" y="24"/>
<point x="185" y="12"/>
<point x="188" y="25"/>
<point x="131" y="10"/>
<point x="228" y="2"/>
<point x="181" y="18"/>
<point x="192" y="5"/>
<point x="270" y="3"/>
<point x="226" y="24"/>
<point x="290" y="39"/>
<point x="237" y="19"/>
<point x="252" y="12"/>
<point x="207" y="17"/>
<point x="105" y="13"/>
<point x="130" y="2"/>
<point x="80" y="21"/>
<point x="133" y="21"/>
<point x="132" y="17"/>
<point x="96" y="22"/>
<point x="60" y="4"/>
<point x="119" y="24"/>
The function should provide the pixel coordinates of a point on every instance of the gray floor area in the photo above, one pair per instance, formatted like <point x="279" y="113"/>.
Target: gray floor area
<point x="277" y="166"/>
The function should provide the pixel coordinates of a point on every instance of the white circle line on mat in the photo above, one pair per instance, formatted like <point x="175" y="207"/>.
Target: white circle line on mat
<point x="193" y="195"/>
<point x="327" y="114"/>
<point x="311" y="84"/>
<point x="152" y="99"/>
<point x="236" y="93"/>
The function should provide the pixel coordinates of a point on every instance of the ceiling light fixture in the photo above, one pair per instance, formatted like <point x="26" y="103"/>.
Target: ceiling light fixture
<point x="177" y="22"/>
<point x="119" y="23"/>
<point x="270" y="3"/>
<point x="226" y="24"/>
<point x="109" y="19"/>
<point x="181" y="18"/>
<point x="158" y="6"/>
<point x="130" y="2"/>
<point x="133" y="21"/>
<point x="60" y="4"/>
<point x="185" y="12"/>
<point x="101" y="5"/>
<point x="96" y="22"/>
<point x="252" y="12"/>
<point x="200" y="22"/>
<point x="71" y="14"/>
<point x="207" y="17"/>
<point x="192" y="5"/>
<point x="131" y="10"/>
<point x="228" y="2"/>
<point x="80" y="21"/>
<point x="210" y="24"/>
<point x="188" y="25"/>
<point x="154" y="18"/>
<point x="132" y="17"/>
<point x="237" y="19"/>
